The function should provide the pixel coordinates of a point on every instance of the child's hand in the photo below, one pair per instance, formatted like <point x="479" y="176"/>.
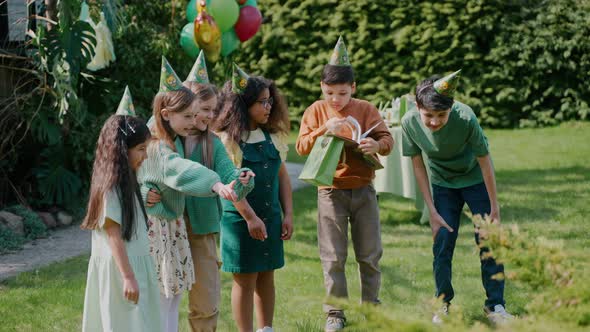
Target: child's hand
<point x="245" y="177"/>
<point x="287" y="228"/>
<point x="131" y="289"/>
<point x="257" y="229"/>
<point x="153" y="197"/>
<point x="226" y="191"/>
<point x="495" y="215"/>
<point x="333" y="124"/>
<point x="369" y="146"/>
<point x="436" y="222"/>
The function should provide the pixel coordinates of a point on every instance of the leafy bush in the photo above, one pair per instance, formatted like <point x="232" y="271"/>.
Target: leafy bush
<point x="524" y="62"/>
<point x="9" y="241"/>
<point x="34" y="226"/>
<point x="562" y="293"/>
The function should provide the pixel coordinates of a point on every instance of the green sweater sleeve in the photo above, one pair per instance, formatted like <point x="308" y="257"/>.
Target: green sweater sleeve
<point x="187" y="176"/>
<point x="144" y="189"/>
<point x="228" y="172"/>
<point x="169" y="168"/>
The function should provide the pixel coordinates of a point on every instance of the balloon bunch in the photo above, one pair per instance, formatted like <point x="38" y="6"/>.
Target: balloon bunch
<point x="218" y="26"/>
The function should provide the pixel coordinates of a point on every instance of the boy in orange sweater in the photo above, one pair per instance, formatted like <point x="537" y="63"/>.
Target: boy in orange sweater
<point x="351" y="198"/>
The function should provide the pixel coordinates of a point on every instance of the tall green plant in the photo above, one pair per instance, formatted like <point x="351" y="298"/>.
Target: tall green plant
<point x="60" y="55"/>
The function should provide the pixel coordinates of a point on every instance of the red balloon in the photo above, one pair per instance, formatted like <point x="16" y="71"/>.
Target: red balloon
<point x="241" y="2"/>
<point x="248" y="22"/>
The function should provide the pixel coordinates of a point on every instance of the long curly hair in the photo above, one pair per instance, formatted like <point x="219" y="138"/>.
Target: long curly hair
<point x="173" y="101"/>
<point x="112" y="170"/>
<point x="234" y="118"/>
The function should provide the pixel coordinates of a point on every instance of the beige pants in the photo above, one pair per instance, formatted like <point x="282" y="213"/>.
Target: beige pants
<point x="204" y="297"/>
<point x="337" y="208"/>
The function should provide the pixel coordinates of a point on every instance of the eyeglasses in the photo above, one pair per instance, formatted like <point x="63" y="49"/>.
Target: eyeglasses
<point x="266" y="103"/>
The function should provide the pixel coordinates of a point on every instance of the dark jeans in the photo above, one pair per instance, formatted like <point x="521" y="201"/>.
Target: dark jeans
<point x="449" y="204"/>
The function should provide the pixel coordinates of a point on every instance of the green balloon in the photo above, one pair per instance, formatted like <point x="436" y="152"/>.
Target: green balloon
<point x="225" y="13"/>
<point x="229" y="42"/>
<point x="187" y="40"/>
<point x="252" y="3"/>
<point x="191" y="11"/>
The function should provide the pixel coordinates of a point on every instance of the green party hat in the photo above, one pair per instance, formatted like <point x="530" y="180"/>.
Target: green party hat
<point x="340" y="54"/>
<point x="199" y="72"/>
<point x="169" y="81"/>
<point x="126" y="104"/>
<point x="239" y="80"/>
<point x="447" y="85"/>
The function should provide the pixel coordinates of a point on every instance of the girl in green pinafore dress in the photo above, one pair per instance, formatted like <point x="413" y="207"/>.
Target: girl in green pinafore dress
<point x="122" y="287"/>
<point x="253" y="126"/>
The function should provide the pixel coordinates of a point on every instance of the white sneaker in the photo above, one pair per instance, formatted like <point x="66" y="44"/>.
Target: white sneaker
<point x="499" y="316"/>
<point x="438" y="316"/>
<point x="334" y="323"/>
<point x="265" y="329"/>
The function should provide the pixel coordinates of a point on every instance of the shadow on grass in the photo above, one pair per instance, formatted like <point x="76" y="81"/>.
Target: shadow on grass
<point x="542" y="194"/>
<point x="55" y="275"/>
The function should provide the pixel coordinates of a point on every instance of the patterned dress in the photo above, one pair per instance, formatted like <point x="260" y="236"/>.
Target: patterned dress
<point x="171" y="250"/>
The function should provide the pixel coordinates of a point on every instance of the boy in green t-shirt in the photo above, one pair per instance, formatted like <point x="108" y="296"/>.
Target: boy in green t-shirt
<point x="448" y="133"/>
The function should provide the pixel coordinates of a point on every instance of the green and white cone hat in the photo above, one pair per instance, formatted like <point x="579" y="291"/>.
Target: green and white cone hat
<point x="340" y="54"/>
<point x="199" y="72"/>
<point x="169" y="81"/>
<point x="126" y="104"/>
<point x="239" y="80"/>
<point x="447" y="85"/>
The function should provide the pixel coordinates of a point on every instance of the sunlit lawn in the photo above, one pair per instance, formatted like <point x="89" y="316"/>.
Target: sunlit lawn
<point x="544" y="186"/>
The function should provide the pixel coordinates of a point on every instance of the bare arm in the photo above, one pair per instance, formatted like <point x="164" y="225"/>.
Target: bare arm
<point x="256" y="227"/>
<point x="423" y="182"/>
<point x="286" y="197"/>
<point x="436" y="221"/>
<point x="489" y="178"/>
<point x="130" y="287"/>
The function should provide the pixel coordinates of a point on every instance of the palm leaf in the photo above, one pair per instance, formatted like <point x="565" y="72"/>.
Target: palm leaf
<point x="57" y="184"/>
<point x="78" y="44"/>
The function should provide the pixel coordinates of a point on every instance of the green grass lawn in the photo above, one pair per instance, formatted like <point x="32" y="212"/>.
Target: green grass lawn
<point x="543" y="180"/>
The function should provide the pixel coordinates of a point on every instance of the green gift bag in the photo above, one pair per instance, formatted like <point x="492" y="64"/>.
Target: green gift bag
<point x="321" y="163"/>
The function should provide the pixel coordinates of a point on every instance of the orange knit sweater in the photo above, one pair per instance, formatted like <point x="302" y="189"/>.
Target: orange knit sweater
<point x="352" y="171"/>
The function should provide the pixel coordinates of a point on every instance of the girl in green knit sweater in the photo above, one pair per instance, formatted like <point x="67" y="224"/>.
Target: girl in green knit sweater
<point x="202" y="214"/>
<point x="166" y="171"/>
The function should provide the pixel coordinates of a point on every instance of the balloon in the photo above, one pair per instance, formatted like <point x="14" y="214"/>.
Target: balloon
<point x="187" y="40"/>
<point x="229" y="42"/>
<point x="225" y="13"/>
<point x="248" y="22"/>
<point x="248" y="3"/>
<point x="207" y="35"/>
<point x="241" y="2"/>
<point x="191" y="10"/>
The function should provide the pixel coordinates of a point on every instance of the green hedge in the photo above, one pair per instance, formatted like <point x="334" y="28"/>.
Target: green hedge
<point x="525" y="63"/>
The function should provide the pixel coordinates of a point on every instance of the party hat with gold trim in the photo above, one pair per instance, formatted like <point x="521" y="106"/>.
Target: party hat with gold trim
<point x="447" y="85"/>
<point x="199" y="72"/>
<point x="126" y="104"/>
<point x="239" y="80"/>
<point x="340" y="54"/>
<point x="169" y="81"/>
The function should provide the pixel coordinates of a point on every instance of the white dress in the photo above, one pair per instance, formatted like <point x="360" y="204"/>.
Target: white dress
<point x="105" y="307"/>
